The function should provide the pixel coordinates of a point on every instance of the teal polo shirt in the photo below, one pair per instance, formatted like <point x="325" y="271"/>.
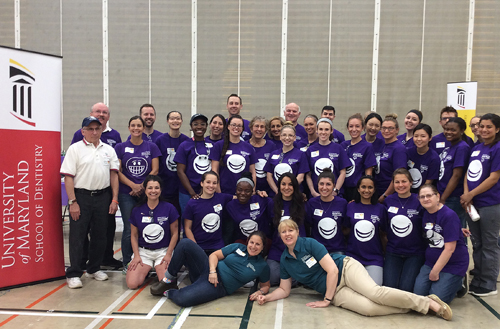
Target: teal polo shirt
<point x="306" y="268"/>
<point x="237" y="268"/>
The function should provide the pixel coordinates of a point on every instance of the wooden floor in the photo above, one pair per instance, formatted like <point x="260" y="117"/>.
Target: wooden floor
<point x="110" y="304"/>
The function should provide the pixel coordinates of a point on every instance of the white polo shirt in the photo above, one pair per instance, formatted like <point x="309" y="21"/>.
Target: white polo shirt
<point x="89" y="165"/>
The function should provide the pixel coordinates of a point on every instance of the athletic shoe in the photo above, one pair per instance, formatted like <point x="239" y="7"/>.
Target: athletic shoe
<point x="158" y="288"/>
<point x="445" y="311"/>
<point x="113" y="263"/>
<point x="472" y="288"/>
<point x="99" y="275"/>
<point x="483" y="292"/>
<point x="74" y="283"/>
<point x="465" y="286"/>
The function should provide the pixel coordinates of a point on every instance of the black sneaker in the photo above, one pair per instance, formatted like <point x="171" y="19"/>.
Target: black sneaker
<point x="465" y="286"/>
<point x="472" y="288"/>
<point x="114" y="263"/>
<point x="161" y="286"/>
<point x="483" y="292"/>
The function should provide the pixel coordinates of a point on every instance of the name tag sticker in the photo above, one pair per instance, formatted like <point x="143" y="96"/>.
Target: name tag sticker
<point x="303" y="149"/>
<point x="129" y="150"/>
<point x="275" y="157"/>
<point x="314" y="154"/>
<point x="359" y="215"/>
<point x="393" y="210"/>
<point x="170" y="150"/>
<point x="429" y="226"/>
<point x="311" y="262"/>
<point x="147" y="219"/>
<point x="318" y="212"/>
<point x="218" y="207"/>
<point x="254" y="206"/>
<point x="475" y="153"/>
<point x="229" y="152"/>
<point x="208" y="145"/>
<point x="239" y="252"/>
<point x="440" y="145"/>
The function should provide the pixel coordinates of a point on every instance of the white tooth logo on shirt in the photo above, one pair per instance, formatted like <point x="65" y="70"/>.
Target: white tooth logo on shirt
<point x="322" y="164"/>
<point x="248" y="226"/>
<point x="401" y="226"/>
<point x="259" y="168"/>
<point x="153" y="233"/>
<point x="280" y="169"/>
<point x="475" y="171"/>
<point x="171" y="165"/>
<point x="202" y="164"/>
<point x="136" y="166"/>
<point x="441" y="170"/>
<point x="210" y="223"/>
<point x="364" y="230"/>
<point x="350" y="170"/>
<point x="236" y="163"/>
<point x="416" y="175"/>
<point x="436" y="240"/>
<point x="327" y="228"/>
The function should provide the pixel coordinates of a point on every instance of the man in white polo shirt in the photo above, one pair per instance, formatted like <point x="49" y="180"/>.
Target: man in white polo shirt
<point x="90" y="170"/>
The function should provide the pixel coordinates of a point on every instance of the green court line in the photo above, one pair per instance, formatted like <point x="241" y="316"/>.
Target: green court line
<point x="172" y="324"/>
<point x="488" y="307"/>
<point x="248" y="308"/>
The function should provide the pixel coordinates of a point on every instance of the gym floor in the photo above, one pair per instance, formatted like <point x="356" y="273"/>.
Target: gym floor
<point x="110" y="304"/>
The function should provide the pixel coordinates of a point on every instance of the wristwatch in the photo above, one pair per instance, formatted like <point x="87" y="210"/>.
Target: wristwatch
<point x="336" y="190"/>
<point x="70" y="202"/>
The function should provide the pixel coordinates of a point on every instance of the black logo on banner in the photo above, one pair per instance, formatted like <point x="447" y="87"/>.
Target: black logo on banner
<point x="461" y="97"/>
<point x="22" y="88"/>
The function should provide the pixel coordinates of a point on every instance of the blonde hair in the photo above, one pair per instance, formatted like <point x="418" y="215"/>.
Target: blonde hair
<point x="392" y="117"/>
<point x="288" y="223"/>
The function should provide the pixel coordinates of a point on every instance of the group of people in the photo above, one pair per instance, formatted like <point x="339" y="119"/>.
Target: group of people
<point x="372" y="223"/>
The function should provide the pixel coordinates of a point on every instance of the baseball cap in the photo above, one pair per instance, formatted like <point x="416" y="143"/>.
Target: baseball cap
<point x="198" y="116"/>
<point x="89" y="120"/>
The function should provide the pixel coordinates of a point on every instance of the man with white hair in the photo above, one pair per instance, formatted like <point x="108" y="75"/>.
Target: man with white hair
<point x="292" y="113"/>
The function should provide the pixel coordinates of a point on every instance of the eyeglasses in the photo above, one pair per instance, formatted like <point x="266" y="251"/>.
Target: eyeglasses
<point x="473" y="125"/>
<point x="426" y="196"/>
<point x="388" y="128"/>
<point x="234" y="125"/>
<point x="92" y="129"/>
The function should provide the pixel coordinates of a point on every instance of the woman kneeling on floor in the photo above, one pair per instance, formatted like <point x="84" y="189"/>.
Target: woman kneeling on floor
<point x="216" y="276"/>
<point x="342" y="280"/>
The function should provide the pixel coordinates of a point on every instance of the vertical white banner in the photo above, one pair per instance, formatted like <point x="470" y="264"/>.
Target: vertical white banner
<point x="463" y="97"/>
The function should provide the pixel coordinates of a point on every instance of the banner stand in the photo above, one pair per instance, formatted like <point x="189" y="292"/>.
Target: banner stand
<point x="463" y="97"/>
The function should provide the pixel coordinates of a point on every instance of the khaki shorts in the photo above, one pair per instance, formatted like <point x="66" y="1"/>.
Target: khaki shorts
<point x="152" y="257"/>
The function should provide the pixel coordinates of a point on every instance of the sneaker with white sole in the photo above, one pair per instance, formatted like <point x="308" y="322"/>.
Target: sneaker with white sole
<point x="99" y="275"/>
<point x="74" y="283"/>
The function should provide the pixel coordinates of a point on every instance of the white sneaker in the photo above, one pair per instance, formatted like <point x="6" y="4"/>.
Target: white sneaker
<point x="99" y="276"/>
<point x="74" y="283"/>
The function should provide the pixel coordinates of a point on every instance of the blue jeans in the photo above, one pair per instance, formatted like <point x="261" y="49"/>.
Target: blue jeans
<point x="183" y="200"/>
<point x="445" y="288"/>
<point x="200" y="290"/>
<point x="401" y="271"/>
<point x="453" y="203"/>
<point x="127" y="203"/>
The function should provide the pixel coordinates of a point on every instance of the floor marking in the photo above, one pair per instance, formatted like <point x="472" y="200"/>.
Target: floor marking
<point x="182" y="318"/>
<point x="279" y="314"/>
<point x="109" y="309"/>
<point x="97" y="317"/>
<point x="33" y="304"/>
<point x="248" y="308"/>
<point x="488" y="307"/>
<point x="156" y="308"/>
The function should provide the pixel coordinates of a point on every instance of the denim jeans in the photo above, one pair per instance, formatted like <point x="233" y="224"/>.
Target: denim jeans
<point x="127" y="203"/>
<point x="453" y="203"/>
<point x="445" y="288"/>
<point x="200" y="290"/>
<point x="401" y="271"/>
<point x="183" y="200"/>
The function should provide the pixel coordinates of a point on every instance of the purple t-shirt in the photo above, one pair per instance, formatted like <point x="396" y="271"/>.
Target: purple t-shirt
<point x="393" y="156"/>
<point x="110" y="137"/>
<point x="293" y="161"/>
<point x="136" y="161"/>
<point x="195" y="156"/>
<point x="331" y="156"/>
<point x="364" y="242"/>
<point x="277" y="245"/>
<point x="237" y="159"/>
<point x="338" y="137"/>
<point x="452" y="157"/>
<point x="300" y="132"/>
<point x="439" y="143"/>
<point x="205" y="215"/>
<point x="378" y="146"/>
<point x="262" y="154"/>
<point x="483" y="161"/>
<point x="404" y="225"/>
<point x="255" y="215"/>
<point x="209" y="140"/>
<point x="154" y="231"/>
<point x="303" y="145"/>
<point x="168" y="146"/>
<point x="246" y="134"/>
<point x="362" y="157"/>
<point x="439" y="228"/>
<point x="149" y="138"/>
<point x="407" y="143"/>
<point x="422" y="166"/>
<point x="326" y="220"/>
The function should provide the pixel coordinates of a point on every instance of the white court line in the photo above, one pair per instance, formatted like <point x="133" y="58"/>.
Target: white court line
<point x="73" y="315"/>
<point x="279" y="314"/>
<point x="156" y="308"/>
<point x="182" y="318"/>
<point x="109" y="309"/>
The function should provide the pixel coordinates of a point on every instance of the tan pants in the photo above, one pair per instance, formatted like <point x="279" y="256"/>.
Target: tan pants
<point x="359" y="293"/>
